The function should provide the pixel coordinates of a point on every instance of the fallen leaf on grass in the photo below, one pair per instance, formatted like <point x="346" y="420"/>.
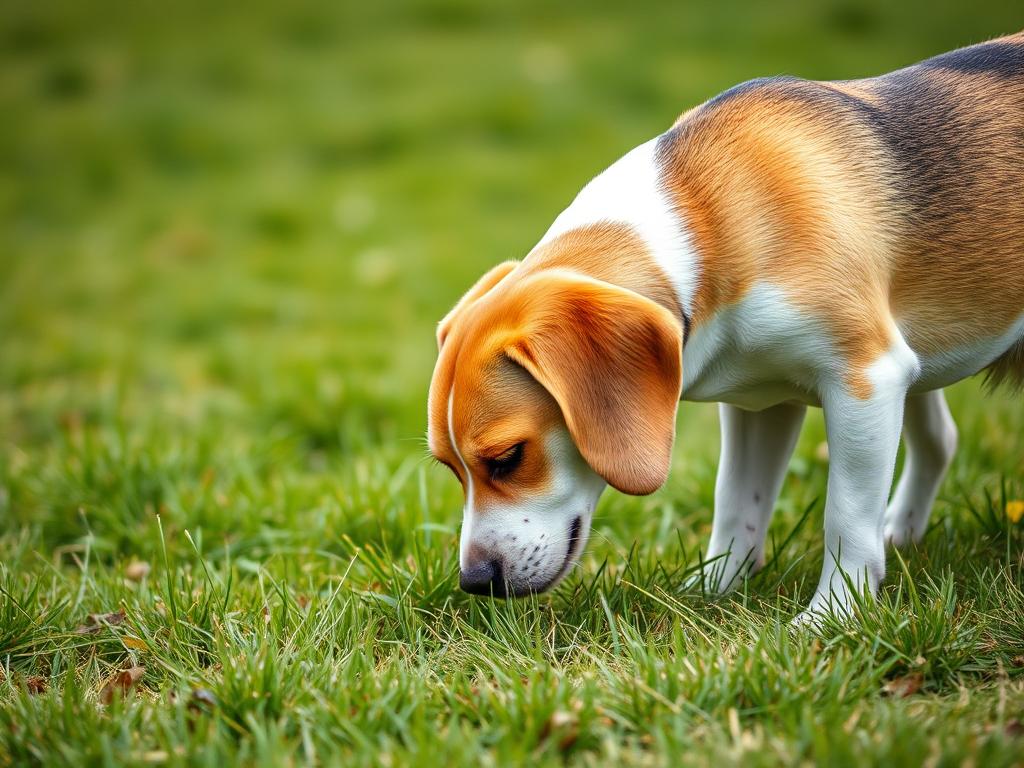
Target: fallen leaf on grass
<point x="1015" y="510"/>
<point x="36" y="684"/>
<point x="97" y="621"/>
<point x="134" y="643"/>
<point x="901" y="687"/>
<point x="121" y="684"/>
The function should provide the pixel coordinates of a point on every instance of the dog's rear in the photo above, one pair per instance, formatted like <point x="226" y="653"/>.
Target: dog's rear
<point x="955" y="125"/>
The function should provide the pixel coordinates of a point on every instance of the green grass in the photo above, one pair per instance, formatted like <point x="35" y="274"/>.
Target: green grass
<point x="224" y="240"/>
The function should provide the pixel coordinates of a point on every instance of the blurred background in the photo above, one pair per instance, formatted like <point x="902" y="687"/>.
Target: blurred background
<point x="227" y="230"/>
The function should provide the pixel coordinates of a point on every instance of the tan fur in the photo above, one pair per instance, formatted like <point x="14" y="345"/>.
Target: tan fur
<point x="769" y="196"/>
<point x="793" y="182"/>
<point x="605" y="356"/>
<point x="608" y="251"/>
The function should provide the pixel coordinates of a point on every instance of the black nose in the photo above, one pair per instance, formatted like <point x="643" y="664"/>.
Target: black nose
<point x="485" y="578"/>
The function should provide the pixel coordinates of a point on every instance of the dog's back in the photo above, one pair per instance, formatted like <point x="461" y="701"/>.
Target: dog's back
<point x="905" y="191"/>
<point x="955" y="127"/>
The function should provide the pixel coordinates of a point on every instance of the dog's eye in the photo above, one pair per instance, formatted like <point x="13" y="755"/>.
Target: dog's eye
<point x="506" y="462"/>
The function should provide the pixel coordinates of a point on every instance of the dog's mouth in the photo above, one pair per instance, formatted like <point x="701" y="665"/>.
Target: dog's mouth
<point x="508" y="589"/>
<point x="575" y="537"/>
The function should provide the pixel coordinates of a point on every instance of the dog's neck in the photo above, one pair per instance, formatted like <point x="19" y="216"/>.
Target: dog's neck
<point x="624" y="228"/>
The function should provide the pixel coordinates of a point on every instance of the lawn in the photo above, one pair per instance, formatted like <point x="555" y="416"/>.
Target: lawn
<point x="225" y="238"/>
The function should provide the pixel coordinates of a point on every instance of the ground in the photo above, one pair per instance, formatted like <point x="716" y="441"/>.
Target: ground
<point x="226" y="237"/>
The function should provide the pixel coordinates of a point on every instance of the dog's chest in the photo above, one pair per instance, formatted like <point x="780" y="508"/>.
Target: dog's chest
<point x="756" y="354"/>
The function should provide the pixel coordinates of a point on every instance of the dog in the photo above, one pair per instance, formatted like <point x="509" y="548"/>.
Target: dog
<point x="854" y="245"/>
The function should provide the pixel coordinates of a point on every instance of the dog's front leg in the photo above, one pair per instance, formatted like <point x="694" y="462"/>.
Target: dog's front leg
<point x="863" y="437"/>
<point x="756" y="447"/>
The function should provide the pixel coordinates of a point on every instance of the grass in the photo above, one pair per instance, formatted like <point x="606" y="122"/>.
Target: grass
<point x="225" y="239"/>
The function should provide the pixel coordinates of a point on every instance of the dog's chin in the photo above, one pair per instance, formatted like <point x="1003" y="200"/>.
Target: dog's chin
<point x="576" y="539"/>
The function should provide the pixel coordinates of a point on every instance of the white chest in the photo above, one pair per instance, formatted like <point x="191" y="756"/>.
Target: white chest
<point x="757" y="353"/>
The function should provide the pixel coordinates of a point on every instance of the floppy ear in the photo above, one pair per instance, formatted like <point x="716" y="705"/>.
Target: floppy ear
<point x="611" y="358"/>
<point x="482" y="286"/>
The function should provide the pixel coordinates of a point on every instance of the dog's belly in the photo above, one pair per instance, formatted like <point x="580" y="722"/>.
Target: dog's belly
<point x="755" y="397"/>
<point x="762" y="352"/>
<point x="948" y="367"/>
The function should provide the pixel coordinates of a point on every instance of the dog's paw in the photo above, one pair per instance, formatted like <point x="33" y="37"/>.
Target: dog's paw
<point x="808" y="620"/>
<point x="899" y="532"/>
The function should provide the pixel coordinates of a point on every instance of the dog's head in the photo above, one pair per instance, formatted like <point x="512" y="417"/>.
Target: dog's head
<point x="548" y="386"/>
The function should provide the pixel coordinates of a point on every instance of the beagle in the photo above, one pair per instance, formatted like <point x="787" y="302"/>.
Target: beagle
<point x="854" y="245"/>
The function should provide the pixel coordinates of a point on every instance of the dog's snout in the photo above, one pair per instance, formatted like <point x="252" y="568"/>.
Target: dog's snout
<point x="484" y="578"/>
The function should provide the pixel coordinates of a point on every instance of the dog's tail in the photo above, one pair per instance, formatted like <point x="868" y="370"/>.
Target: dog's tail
<point x="1007" y="369"/>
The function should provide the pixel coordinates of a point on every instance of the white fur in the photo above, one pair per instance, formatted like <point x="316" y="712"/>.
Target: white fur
<point x="757" y="353"/>
<point x="467" y="519"/>
<point x="756" y="447"/>
<point x="863" y="437"/>
<point x="630" y="191"/>
<point x="948" y="367"/>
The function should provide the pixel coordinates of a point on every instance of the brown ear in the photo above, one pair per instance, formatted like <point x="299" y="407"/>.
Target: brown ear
<point x="482" y="286"/>
<point x="612" y="360"/>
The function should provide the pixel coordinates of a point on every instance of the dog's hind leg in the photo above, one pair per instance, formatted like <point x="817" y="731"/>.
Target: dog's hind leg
<point x="929" y="435"/>
<point x="756" y="447"/>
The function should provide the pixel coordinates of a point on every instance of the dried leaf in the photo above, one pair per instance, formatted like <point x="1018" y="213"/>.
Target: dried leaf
<point x="134" y="643"/>
<point x="121" y="684"/>
<point x="36" y="684"/>
<point x="1014" y="729"/>
<point x="96" y="622"/>
<point x="137" y="570"/>
<point x="904" y="686"/>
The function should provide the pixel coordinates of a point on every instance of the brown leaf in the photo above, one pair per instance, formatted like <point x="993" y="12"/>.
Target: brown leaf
<point x="1014" y="729"/>
<point x="904" y="686"/>
<point x="96" y="622"/>
<point x="36" y="684"/>
<point x="121" y="684"/>
<point x="137" y="570"/>
<point x="134" y="643"/>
